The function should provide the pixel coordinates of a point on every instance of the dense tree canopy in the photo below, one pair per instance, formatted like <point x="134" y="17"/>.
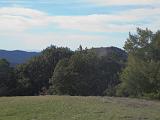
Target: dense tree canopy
<point x="141" y="77"/>
<point x="96" y="71"/>
<point x="34" y="75"/>
<point x="7" y="78"/>
<point x="85" y="74"/>
<point x="82" y="72"/>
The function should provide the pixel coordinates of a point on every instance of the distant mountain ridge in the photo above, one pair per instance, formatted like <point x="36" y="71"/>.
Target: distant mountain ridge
<point x="17" y="56"/>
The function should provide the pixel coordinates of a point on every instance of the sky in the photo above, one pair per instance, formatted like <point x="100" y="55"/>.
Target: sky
<point x="33" y="25"/>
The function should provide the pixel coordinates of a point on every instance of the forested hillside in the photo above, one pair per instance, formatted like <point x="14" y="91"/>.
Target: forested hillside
<point x="109" y="71"/>
<point x="88" y="66"/>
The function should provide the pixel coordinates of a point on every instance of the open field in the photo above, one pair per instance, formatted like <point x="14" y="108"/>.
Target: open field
<point x="77" y="108"/>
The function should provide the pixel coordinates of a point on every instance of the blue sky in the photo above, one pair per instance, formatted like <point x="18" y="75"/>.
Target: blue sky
<point x="34" y="25"/>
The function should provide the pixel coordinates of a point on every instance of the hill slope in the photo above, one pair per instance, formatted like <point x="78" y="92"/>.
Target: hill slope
<point x="17" y="56"/>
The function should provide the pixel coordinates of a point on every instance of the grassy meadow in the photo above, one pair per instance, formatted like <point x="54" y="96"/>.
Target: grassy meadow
<point x="77" y="108"/>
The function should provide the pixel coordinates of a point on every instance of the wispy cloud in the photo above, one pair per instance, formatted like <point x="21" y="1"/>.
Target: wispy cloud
<point x="21" y="19"/>
<point x="96" y="2"/>
<point x="123" y="2"/>
<point x="40" y="1"/>
<point x="16" y="21"/>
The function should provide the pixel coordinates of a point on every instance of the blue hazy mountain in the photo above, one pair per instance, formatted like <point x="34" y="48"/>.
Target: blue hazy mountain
<point x="17" y="56"/>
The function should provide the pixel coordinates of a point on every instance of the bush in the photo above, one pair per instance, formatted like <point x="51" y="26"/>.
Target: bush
<point x="152" y="95"/>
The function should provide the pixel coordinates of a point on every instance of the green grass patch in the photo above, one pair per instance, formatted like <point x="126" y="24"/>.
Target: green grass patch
<point x="77" y="108"/>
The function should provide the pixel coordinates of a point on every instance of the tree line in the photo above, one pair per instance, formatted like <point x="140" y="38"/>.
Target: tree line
<point x="60" y="71"/>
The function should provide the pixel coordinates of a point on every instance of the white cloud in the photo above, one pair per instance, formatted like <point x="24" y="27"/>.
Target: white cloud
<point x="96" y="2"/>
<point x="122" y="2"/>
<point x="14" y="21"/>
<point x="21" y="11"/>
<point x="21" y="19"/>
<point x="118" y="22"/>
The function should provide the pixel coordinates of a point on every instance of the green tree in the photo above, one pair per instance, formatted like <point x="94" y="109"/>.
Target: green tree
<point x="7" y="78"/>
<point x="140" y="40"/>
<point x="141" y="76"/>
<point x="76" y="76"/>
<point x="34" y="75"/>
<point x="84" y="74"/>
